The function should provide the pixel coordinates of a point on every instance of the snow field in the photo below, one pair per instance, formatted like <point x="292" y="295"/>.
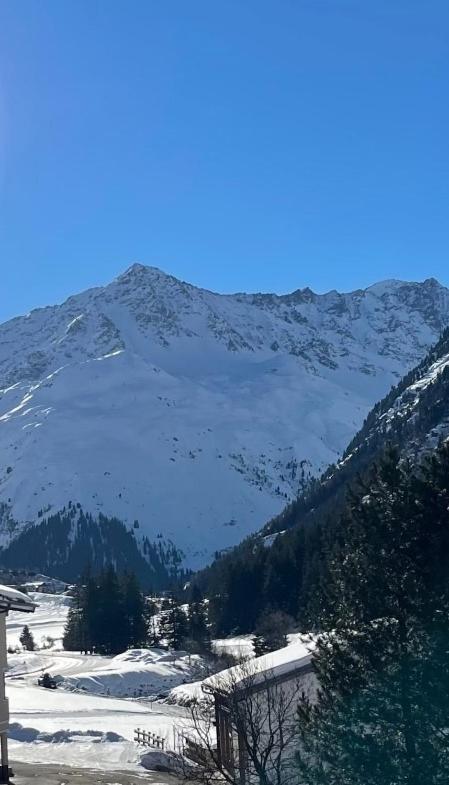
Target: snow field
<point x="90" y="719"/>
<point x="138" y="673"/>
<point x="48" y="620"/>
<point x="92" y="731"/>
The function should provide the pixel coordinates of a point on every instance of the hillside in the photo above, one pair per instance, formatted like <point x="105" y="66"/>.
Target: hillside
<point x="67" y="542"/>
<point x="282" y="566"/>
<point x="190" y="416"/>
<point x="414" y="417"/>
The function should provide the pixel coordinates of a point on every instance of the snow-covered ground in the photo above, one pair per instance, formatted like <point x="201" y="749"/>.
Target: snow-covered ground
<point x="91" y="718"/>
<point x="72" y="724"/>
<point x="138" y="673"/>
<point x="82" y="729"/>
<point x="47" y="621"/>
<point x="57" y="726"/>
<point x="240" y="647"/>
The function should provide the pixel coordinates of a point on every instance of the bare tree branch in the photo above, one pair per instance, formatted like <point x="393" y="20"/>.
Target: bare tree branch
<point x="262" y="728"/>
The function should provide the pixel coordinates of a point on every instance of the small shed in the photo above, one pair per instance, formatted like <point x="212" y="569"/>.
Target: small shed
<point x="10" y="600"/>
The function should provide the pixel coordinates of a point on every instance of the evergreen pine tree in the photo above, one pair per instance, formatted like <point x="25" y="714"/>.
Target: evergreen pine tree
<point x="284" y="573"/>
<point x="26" y="639"/>
<point x="153" y="635"/>
<point x="71" y="637"/>
<point x="90" y="603"/>
<point x="134" y="612"/>
<point x="241" y="590"/>
<point x="74" y="638"/>
<point x="107" y="615"/>
<point x="111" y="632"/>
<point x="383" y="708"/>
<point x="271" y="632"/>
<point x="174" y="625"/>
<point x="198" y="628"/>
<point x="150" y="618"/>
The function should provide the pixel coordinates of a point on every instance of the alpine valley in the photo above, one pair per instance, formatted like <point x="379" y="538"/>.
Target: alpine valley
<point x="185" y="419"/>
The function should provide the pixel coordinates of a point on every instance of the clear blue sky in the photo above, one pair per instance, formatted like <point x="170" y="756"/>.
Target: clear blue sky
<point x="238" y="144"/>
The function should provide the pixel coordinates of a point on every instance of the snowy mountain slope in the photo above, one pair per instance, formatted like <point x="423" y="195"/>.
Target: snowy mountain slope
<point x="199" y="415"/>
<point x="413" y="417"/>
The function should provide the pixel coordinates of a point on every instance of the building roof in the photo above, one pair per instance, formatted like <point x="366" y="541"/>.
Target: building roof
<point x="277" y="664"/>
<point x="14" y="600"/>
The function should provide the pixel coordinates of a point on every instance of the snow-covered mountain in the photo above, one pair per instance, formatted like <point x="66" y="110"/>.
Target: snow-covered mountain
<point x="197" y="414"/>
<point x="413" y="418"/>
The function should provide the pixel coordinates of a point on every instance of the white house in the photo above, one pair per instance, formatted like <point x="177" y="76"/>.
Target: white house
<point x="10" y="600"/>
<point x="255" y="711"/>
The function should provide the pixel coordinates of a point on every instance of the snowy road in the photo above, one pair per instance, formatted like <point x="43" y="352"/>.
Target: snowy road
<point x="26" y="774"/>
<point x="54" y="662"/>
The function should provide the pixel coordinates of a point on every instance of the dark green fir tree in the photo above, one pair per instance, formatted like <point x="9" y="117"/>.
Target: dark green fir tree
<point x="26" y="639"/>
<point x="134" y="612"/>
<point x="271" y="632"/>
<point x="198" y="626"/>
<point x="174" y="628"/>
<point x="382" y="711"/>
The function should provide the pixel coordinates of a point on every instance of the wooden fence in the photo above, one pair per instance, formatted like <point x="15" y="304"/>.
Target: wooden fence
<point x="149" y="739"/>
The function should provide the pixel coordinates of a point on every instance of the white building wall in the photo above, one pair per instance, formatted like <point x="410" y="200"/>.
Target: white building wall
<point x="4" y="706"/>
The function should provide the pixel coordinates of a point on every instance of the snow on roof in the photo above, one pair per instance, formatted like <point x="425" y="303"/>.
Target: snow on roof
<point x="12" y="599"/>
<point x="270" y="666"/>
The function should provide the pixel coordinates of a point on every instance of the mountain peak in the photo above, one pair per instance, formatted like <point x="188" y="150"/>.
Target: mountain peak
<point x="137" y="270"/>
<point x="432" y="283"/>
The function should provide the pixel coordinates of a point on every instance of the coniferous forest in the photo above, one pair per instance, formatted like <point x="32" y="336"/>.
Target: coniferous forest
<point x="65" y="543"/>
<point x="107" y="615"/>
<point x="110" y="614"/>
